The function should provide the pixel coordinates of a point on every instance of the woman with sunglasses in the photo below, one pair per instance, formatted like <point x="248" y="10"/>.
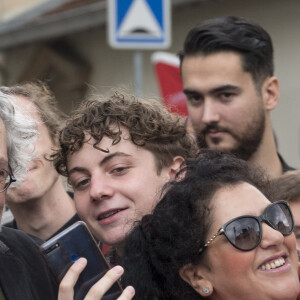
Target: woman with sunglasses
<point x="215" y="235"/>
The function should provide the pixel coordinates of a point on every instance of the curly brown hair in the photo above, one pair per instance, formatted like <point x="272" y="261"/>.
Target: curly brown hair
<point x="150" y="125"/>
<point x="38" y="93"/>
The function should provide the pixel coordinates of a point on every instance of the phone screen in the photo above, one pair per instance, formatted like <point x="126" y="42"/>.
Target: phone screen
<point x="61" y="251"/>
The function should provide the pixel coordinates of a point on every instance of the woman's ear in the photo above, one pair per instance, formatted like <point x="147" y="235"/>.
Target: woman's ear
<point x="175" y="167"/>
<point x="195" y="277"/>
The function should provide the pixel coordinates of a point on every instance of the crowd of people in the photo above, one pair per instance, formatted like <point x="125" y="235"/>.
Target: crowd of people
<point x="205" y="214"/>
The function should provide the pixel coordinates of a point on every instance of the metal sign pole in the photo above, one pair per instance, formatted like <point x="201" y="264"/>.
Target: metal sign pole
<point x="138" y="72"/>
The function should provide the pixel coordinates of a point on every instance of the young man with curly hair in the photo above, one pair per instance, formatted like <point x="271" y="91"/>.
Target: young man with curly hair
<point x="117" y="154"/>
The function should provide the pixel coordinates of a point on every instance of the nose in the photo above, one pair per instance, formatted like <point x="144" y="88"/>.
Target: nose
<point x="270" y="237"/>
<point x="101" y="188"/>
<point x="210" y="112"/>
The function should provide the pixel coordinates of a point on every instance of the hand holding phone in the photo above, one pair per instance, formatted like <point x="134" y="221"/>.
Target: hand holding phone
<point x="67" y="247"/>
<point x="98" y="289"/>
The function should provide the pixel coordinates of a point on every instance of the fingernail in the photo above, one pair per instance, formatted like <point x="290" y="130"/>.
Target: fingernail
<point x="131" y="290"/>
<point x="81" y="261"/>
<point x="118" y="270"/>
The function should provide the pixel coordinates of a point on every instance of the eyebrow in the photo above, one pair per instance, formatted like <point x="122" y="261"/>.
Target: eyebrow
<point x="222" y="88"/>
<point x="104" y="161"/>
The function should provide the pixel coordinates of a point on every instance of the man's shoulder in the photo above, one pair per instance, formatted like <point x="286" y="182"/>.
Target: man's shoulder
<point x="23" y="274"/>
<point x="18" y="240"/>
<point x="11" y="224"/>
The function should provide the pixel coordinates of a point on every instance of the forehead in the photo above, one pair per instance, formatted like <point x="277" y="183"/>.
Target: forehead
<point x="3" y="145"/>
<point x="234" y="201"/>
<point x="216" y="68"/>
<point x="224" y="58"/>
<point x="33" y="111"/>
<point x="125" y="147"/>
<point x="28" y="107"/>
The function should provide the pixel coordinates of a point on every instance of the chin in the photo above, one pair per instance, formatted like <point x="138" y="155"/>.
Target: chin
<point x="114" y="242"/>
<point x="288" y="290"/>
<point x="220" y="147"/>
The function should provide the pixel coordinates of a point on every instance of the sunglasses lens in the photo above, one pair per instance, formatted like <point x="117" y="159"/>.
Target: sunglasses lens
<point x="279" y="216"/>
<point x="243" y="233"/>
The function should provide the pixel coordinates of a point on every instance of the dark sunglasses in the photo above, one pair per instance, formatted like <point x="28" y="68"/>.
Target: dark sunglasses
<point x="245" y="232"/>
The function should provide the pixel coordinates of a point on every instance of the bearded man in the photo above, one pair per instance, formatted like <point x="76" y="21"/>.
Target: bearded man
<point x="227" y="71"/>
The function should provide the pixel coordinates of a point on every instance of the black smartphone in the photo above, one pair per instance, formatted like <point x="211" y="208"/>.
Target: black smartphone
<point x="61" y="251"/>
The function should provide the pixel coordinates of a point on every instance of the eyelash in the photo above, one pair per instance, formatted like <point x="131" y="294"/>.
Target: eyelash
<point x="84" y="182"/>
<point x="80" y="184"/>
<point x="226" y="95"/>
<point x="119" y="170"/>
<point x="194" y="100"/>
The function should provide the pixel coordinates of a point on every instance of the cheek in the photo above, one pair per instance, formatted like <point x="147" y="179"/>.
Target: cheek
<point x="42" y="146"/>
<point x="292" y="244"/>
<point x="146" y="196"/>
<point x="298" y="245"/>
<point x="195" y="114"/>
<point x="81" y="205"/>
<point x="233" y="262"/>
<point x="239" y="113"/>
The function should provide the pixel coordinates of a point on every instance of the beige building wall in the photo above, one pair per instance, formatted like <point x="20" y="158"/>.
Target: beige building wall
<point x="11" y="8"/>
<point x="114" y="68"/>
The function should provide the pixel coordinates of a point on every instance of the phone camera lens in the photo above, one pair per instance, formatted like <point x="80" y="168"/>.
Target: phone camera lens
<point x="74" y="257"/>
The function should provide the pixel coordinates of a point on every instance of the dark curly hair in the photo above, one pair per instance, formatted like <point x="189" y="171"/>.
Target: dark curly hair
<point x="150" y="125"/>
<point x="171" y="237"/>
<point x="239" y="35"/>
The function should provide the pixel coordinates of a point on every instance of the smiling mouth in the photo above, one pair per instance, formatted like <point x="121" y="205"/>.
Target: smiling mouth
<point x="109" y="214"/>
<point x="273" y="264"/>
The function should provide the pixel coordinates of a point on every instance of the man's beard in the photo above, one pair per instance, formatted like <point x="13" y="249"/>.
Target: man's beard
<point x="247" y="142"/>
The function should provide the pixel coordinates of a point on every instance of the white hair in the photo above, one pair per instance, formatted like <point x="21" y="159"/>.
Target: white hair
<point x="21" y="131"/>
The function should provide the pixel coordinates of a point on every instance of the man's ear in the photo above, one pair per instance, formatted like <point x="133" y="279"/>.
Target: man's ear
<point x="270" y="93"/>
<point x="176" y="165"/>
<point x="195" y="277"/>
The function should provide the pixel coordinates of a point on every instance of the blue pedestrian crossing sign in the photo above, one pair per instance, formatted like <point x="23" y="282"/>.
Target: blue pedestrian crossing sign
<point x="139" y="24"/>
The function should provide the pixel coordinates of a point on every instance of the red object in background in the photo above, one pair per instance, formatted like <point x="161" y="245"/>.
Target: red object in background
<point x="169" y="80"/>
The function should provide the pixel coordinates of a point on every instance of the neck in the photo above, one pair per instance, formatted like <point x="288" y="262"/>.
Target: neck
<point x="119" y="250"/>
<point x="44" y="216"/>
<point x="266" y="155"/>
